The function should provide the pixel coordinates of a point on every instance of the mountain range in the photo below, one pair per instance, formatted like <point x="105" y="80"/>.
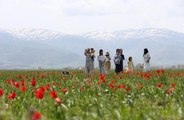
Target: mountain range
<point x="32" y="48"/>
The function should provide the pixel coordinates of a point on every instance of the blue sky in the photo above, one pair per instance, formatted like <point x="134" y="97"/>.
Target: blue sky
<point x="81" y="16"/>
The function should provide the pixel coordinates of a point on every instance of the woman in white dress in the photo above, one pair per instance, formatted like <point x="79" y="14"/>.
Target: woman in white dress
<point x="101" y="60"/>
<point x="147" y="58"/>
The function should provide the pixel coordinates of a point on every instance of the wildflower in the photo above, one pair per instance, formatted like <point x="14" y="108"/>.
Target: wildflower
<point x="47" y="87"/>
<point x="64" y="90"/>
<point x="12" y="95"/>
<point x="119" y="86"/>
<point x="16" y="84"/>
<point x="111" y="85"/>
<point x="36" y="116"/>
<point x="172" y="85"/>
<point x="140" y="86"/>
<point x="43" y="76"/>
<point x="39" y="94"/>
<point x="127" y="89"/>
<point x="1" y="92"/>
<point x="22" y="81"/>
<point x="159" y="86"/>
<point x="23" y="88"/>
<point x="58" y="100"/>
<point x="33" y="83"/>
<point x="53" y="94"/>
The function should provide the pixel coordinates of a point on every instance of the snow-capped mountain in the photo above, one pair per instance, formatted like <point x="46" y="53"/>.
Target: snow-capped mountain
<point x="27" y="48"/>
<point x="100" y="35"/>
<point x="34" y="34"/>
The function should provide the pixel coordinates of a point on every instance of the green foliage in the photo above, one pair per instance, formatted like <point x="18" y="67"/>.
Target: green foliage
<point x="132" y="96"/>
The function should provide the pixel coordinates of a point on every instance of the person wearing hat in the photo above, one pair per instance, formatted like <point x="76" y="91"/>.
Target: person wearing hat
<point x="107" y="63"/>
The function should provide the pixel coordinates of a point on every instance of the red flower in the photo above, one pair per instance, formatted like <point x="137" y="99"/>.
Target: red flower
<point x="88" y="83"/>
<point x="159" y="85"/>
<point x="9" y="81"/>
<point x="102" y="78"/>
<point x="112" y="81"/>
<point x="16" y="84"/>
<point x="22" y="81"/>
<point x="36" y="116"/>
<point x="98" y="82"/>
<point x="147" y="75"/>
<point x="127" y="89"/>
<point x="162" y="71"/>
<point x="43" y="76"/>
<point x="39" y="94"/>
<point x="123" y="86"/>
<point x="140" y="86"/>
<point x="20" y="76"/>
<point x="1" y="92"/>
<point x="58" y="100"/>
<point x="33" y="83"/>
<point x="111" y="85"/>
<point x="53" y="94"/>
<point x="82" y="88"/>
<point x="12" y="95"/>
<point x="119" y="86"/>
<point x="42" y="89"/>
<point x="169" y="90"/>
<point x="172" y="85"/>
<point x="47" y="87"/>
<point x="128" y="71"/>
<point x="64" y="90"/>
<point x="158" y="71"/>
<point x="23" y="88"/>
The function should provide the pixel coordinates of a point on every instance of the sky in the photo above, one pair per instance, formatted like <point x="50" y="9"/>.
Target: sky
<point x="83" y="16"/>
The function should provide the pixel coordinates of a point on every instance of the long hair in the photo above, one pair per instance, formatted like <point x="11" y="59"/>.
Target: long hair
<point x="145" y="51"/>
<point x="100" y="52"/>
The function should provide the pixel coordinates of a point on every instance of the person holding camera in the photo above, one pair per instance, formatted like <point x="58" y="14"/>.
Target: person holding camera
<point x="89" y="65"/>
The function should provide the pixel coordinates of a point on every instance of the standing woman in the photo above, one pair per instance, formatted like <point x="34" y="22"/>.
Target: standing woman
<point x="122" y="59"/>
<point x="147" y="58"/>
<point x="89" y="60"/>
<point x="117" y="61"/>
<point x="107" y="63"/>
<point x="101" y="60"/>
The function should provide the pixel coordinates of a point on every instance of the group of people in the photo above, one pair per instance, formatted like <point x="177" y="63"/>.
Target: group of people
<point x="105" y="61"/>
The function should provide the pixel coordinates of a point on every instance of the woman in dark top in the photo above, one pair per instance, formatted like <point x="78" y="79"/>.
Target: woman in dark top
<point x="117" y="61"/>
<point x="122" y="59"/>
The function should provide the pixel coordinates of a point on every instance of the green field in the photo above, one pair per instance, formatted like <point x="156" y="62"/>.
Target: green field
<point x="51" y="95"/>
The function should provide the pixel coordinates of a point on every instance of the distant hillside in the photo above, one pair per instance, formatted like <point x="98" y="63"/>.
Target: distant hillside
<point x="28" y="48"/>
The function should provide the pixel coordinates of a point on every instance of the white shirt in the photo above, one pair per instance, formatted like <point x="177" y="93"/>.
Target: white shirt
<point x="147" y="59"/>
<point x="101" y="58"/>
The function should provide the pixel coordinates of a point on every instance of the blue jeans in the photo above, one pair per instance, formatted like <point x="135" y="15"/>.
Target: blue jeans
<point x="101" y="66"/>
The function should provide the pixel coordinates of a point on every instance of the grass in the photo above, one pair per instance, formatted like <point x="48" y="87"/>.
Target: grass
<point x="157" y="95"/>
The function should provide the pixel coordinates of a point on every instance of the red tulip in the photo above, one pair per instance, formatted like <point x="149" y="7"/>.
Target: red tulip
<point x="16" y="84"/>
<point x="1" y="92"/>
<point x="58" y="100"/>
<point x="36" y="116"/>
<point x="39" y="94"/>
<point x="159" y="86"/>
<point x="12" y="95"/>
<point x="53" y="94"/>
<point x="64" y="90"/>
<point x="23" y="88"/>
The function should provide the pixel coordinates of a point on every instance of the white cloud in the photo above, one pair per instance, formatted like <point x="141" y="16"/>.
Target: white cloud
<point x="79" y="16"/>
